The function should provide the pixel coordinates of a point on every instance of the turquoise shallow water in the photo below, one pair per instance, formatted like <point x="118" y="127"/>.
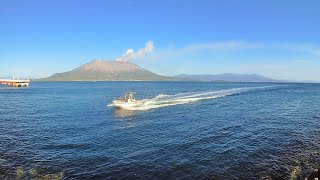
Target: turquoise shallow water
<point x="66" y="128"/>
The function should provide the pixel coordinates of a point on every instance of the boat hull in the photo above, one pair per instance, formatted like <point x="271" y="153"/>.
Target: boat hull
<point x="126" y="105"/>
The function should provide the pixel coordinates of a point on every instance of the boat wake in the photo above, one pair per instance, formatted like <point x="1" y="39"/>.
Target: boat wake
<point x="163" y="100"/>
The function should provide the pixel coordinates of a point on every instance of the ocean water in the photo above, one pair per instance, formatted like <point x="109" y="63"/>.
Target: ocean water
<point x="188" y="130"/>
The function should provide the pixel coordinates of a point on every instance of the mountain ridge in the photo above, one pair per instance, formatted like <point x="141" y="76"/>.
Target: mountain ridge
<point x="228" y="77"/>
<point x="101" y="70"/>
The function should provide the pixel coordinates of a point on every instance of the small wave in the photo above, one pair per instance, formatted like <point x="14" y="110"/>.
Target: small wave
<point x="163" y="100"/>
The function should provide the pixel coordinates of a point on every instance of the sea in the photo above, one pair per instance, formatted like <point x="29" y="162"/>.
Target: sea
<point x="185" y="130"/>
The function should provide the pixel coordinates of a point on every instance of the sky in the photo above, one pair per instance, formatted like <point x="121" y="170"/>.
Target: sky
<point x="277" y="39"/>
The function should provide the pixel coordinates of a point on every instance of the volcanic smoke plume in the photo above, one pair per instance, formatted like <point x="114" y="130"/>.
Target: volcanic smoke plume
<point x="131" y="54"/>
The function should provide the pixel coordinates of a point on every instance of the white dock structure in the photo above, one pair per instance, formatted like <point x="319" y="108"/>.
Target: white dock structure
<point x="15" y="82"/>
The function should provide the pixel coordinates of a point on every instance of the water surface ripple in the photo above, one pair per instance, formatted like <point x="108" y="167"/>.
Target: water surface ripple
<point x="65" y="129"/>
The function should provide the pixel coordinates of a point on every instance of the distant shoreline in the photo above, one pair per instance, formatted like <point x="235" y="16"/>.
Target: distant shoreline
<point x="283" y="82"/>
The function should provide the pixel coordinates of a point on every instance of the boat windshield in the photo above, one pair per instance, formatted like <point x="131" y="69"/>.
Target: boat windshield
<point x="129" y="96"/>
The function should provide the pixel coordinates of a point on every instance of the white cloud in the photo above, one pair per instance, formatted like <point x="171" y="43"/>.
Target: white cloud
<point x="226" y="45"/>
<point x="278" y="60"/>
<point x="311" y="49"/>
<point x="302" y="61"/>
<point x="131" y="54"/>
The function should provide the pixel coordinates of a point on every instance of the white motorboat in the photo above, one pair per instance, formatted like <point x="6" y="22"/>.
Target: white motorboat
<point x="126" y="102"/>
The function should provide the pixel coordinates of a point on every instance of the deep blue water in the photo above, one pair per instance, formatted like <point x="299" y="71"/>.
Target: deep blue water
<point x="66" y="128"/>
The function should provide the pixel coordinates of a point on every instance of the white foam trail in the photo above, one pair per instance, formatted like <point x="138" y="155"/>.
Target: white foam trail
<point x="163" y="100"/>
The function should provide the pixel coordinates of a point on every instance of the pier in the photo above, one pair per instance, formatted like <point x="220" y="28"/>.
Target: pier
<point x="15" y="82"/>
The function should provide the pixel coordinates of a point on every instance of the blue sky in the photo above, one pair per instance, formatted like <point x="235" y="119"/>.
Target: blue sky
<point x="278" y="39"/>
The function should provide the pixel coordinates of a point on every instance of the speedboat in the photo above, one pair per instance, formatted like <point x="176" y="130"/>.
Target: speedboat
<point x="126" y="102"/>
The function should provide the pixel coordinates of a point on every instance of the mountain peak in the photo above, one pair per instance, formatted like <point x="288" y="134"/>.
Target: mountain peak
<point x="108" y="71"/>
<point x="109" y="66"/>
<point x="97" y="61"/>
